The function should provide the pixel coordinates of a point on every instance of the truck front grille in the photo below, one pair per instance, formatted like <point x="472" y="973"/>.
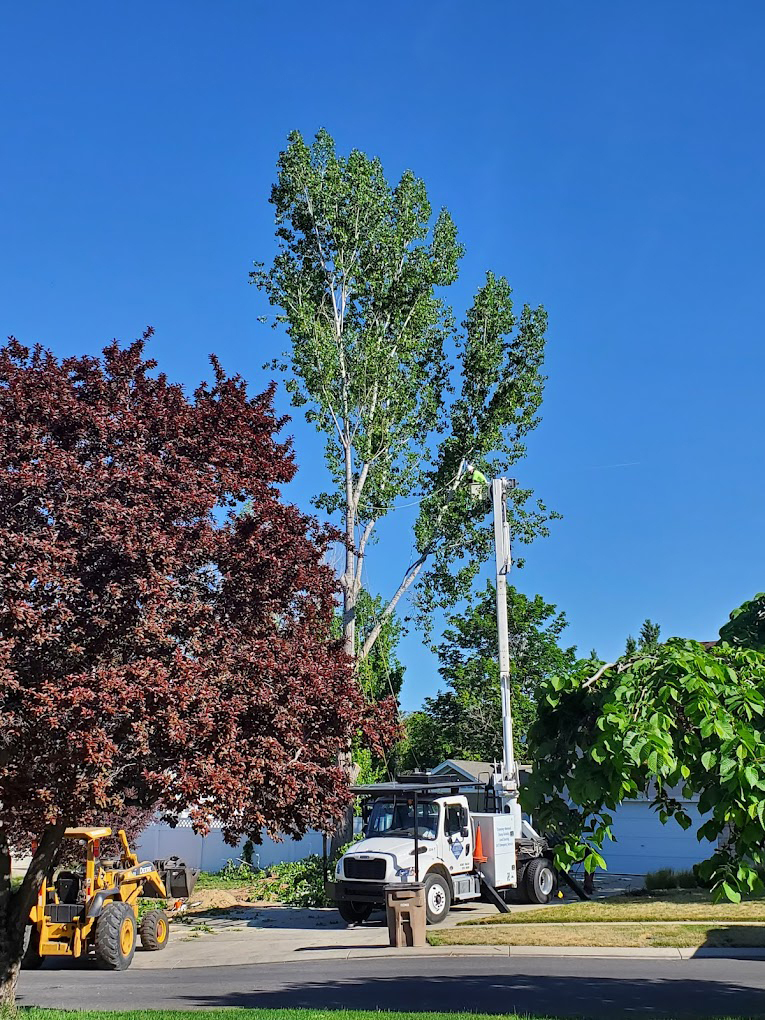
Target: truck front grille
<point x="373" y="870"/>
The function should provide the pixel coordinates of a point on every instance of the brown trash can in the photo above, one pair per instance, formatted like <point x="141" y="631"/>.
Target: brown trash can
<point x="405" y="907"/>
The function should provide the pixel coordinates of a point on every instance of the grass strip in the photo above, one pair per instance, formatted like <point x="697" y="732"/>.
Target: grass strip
<point x="676" y="907"/>
<point x="35" y="1013"/>
<point x="634" y="936"/>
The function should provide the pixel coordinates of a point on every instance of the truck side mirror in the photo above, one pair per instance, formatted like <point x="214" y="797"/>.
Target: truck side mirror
<point x="464" y="832"/>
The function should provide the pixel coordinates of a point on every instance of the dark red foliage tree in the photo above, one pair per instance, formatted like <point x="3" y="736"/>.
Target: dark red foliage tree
<point x="164" y="617"/>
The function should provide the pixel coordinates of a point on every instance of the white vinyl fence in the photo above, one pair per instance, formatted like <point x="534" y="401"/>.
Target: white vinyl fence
<point x="210" y="853"/>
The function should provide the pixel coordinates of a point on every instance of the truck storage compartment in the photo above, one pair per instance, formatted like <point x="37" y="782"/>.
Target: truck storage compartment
<point x="498" y="837"/>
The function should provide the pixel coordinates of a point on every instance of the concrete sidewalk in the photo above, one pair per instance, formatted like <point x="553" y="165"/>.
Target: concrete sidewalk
<point x="276" y="934"/>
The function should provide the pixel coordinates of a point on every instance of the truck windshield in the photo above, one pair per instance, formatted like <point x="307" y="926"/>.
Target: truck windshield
<point x="395" y="817"/>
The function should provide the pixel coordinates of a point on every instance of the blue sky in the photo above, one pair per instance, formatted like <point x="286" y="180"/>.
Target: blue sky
<point x="607" y="158"/>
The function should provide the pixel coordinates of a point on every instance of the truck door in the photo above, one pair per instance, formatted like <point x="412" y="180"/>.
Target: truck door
<point x="457" y="835"/>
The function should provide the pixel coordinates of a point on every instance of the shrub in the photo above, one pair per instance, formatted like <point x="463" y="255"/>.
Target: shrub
<point x="664" y="878"/>
<point x="295" y="883"/>
<point x="687" y="880"/>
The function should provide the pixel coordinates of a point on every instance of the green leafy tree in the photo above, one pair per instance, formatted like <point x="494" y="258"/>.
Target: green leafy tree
<point x="359" y="281"/>
<point x="630" y="646"/>
<point x="676" y="717"/>
<point x="746" y="626"/>
<point x="465" y="720"/>
<point x="649" y="636"/>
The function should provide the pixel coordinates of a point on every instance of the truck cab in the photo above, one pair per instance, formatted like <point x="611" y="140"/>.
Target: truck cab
<point x="426" y="832"/>
<point x="410" y="835"/>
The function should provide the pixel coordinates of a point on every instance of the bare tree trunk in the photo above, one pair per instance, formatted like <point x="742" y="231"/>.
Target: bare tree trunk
<point x="15" y="906"/>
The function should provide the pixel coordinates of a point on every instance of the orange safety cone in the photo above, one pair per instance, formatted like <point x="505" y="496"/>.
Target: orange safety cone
<point x="478" y="854"/>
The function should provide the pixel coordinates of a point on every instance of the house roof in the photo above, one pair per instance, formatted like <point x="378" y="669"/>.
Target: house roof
<point x="482" y="771"/>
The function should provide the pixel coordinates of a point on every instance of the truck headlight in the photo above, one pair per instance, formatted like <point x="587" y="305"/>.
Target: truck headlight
<point x="404" y="874"/>
<point x="339" y="869"/>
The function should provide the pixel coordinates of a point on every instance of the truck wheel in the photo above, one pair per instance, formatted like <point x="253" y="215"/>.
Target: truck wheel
<point x="154" y="930"/>
<point x="115" y="937"/>
<point x="539" y="880"/>
<point x="31" y="959"/>
<point x="438" y="898"/>
<point x="354" y="913"/>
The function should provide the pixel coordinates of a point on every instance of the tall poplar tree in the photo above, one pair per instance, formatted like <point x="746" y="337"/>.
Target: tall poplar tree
<point x="359" y="281"/>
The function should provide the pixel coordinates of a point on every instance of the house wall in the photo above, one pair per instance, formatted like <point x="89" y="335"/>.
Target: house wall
<point x="210" y="852"/>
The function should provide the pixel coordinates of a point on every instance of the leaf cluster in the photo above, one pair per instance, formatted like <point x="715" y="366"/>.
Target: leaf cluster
<point x="681" y="721"/>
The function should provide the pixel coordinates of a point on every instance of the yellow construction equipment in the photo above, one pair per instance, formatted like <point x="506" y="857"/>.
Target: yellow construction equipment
<point x="94" y="909"/>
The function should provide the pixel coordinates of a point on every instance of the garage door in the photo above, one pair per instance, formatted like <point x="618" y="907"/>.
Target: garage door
<point x="644" y="844"/>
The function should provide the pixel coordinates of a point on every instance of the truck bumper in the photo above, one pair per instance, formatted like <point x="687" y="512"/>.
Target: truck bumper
<point x="356" y="892"/>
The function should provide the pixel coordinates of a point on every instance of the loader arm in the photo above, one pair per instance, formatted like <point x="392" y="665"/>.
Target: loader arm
<point x="129" y="859"/>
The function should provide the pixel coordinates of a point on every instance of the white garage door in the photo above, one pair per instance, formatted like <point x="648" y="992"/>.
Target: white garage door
<point x="644" y="844"/>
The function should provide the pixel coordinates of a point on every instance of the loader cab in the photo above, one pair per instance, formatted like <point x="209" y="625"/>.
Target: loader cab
<point x="67" y="889"/>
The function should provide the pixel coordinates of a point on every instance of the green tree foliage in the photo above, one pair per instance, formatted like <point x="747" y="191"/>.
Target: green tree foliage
<point x="359" y="281"/>
<point x="465" y="720"/>
<point x="649" y="636"/>
<point x="746" y="626"/>
<point x="649" y="639"/>
<point x="380" y="675"/>
<point x="679" y="718"/>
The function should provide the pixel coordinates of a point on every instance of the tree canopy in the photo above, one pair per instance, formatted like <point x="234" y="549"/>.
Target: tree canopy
<point x="157" y="645"/>
<point x="359" y="281"/>
<point x="465" y="720"/>
<point x="673" y="721"/>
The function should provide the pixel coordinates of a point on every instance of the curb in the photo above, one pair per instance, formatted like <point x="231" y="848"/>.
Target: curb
<point x="613" y="952"/>
<point x="338" y="955"/>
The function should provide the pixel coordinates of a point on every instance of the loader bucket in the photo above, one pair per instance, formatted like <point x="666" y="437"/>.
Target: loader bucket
<point x="178" y="878"/>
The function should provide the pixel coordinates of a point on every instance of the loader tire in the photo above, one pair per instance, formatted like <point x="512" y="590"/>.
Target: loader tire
<point x="115" y="937"/>
<point x="154" y="930"/>
<point x="31" y="958"/>
<point x="540" y="880"/>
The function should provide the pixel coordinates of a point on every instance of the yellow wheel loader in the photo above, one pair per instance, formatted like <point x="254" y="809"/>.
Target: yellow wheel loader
<point x="93" y="910"/>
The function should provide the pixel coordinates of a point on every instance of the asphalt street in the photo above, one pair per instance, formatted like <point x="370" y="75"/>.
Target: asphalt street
<point x="566" y="987"/>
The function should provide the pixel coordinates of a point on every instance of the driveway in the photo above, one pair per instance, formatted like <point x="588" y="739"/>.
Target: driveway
<point x="275" y="934"/>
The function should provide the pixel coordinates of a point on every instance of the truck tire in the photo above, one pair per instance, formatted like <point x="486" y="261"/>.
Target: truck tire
<point x="354" y="913"/>
<point x="438" y="897"/>
<point x="154" y="930"/>
<point x="31" y="959"/>
<point x="115" y="937"/>
<point x="539" y="880"/>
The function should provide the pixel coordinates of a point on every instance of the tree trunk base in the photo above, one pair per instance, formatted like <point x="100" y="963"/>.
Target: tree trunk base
<point x="9" y="975"/>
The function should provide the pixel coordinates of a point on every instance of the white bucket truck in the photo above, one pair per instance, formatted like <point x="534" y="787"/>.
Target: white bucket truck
<point x="421" y="828"/>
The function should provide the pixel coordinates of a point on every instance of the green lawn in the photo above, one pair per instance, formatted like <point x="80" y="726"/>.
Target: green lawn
<point x="636" y="936"/>
<point x="254" y="1014"/>
<point x="239" y="880"/>
<point x="679" y="906"/>
<point x="263" y="1014"/>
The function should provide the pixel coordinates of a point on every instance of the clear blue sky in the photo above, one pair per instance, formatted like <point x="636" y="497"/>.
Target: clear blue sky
<point x="608" y="158"/>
